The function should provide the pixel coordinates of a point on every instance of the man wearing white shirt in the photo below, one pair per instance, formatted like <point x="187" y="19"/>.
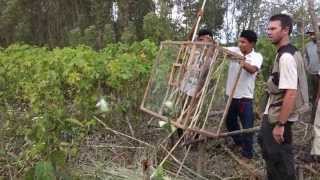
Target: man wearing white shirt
<point x="241" y="105"/>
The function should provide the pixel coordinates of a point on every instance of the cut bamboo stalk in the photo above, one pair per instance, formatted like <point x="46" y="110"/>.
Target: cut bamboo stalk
<point x="226" y="110"/>
<point x="151" y="79"/>
<point x="196" y="113"/>
<point x="183" y="161"/>
<point x="183" y="109"/>
<point x="211" y="102"/>
<point x="248" y="167"/>
<point x="180" y="163"/>
<point x="203" y="132"/>
<point x="170" y="80"/>
<point x="205" y="86"/>
<point x="198" y="21"/>
<point x="203" y="89"/>
<point x="208" y="135"/>
<point x="122" y="134"/>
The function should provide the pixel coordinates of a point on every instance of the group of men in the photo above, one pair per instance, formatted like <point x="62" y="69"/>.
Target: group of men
<point x="288" y="98"/>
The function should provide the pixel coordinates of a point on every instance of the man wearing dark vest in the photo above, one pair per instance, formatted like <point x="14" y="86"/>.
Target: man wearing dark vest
<point x="286" y="85"/>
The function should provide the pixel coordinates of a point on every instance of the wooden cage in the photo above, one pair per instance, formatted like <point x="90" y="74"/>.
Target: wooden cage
<point x="186" y="87"/>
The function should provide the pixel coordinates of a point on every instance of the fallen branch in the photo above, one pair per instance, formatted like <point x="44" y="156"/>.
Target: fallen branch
<point x="114" y="146"/>
<point x="248" y="167"/>
<point x="214" y="136"/>
<point x="181" y="164"/>
<point x="130" y="126"/>
<point x="310" y="169"/>
<point x="122" y="134"/>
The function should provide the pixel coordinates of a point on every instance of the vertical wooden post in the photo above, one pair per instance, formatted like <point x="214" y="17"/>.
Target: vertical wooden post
<point x="226" y="110"/>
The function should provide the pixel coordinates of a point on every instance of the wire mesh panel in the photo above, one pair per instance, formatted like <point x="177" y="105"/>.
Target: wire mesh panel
<point x="187" y="86"/>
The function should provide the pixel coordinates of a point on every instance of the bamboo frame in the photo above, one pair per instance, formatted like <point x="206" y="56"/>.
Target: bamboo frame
<point x="226" y="110"/>
<point x="182" y="60"/>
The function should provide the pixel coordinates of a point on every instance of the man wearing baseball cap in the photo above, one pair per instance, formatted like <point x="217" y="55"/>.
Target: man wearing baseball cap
<point x="312" y="63"/>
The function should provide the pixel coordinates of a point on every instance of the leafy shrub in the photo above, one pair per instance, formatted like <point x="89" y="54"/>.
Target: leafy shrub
<point x="48" y="97"/>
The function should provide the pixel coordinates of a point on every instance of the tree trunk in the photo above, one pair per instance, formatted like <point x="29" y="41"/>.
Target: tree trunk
<point x="315" y="24"/>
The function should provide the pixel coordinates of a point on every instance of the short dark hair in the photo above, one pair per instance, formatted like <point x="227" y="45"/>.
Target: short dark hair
<point x="311" y="31"/>
<point x="250" y="35"/>
<point x="203" y="32"/>
<point x="285" y="20"/>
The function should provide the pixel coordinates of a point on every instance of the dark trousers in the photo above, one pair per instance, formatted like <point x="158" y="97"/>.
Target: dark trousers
<point x="313" y="87"/>
<point x="241" y="108"/>
<point x="278" y="157"/>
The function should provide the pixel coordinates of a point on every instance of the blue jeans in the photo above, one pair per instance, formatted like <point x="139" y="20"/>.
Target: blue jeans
<point x="241" y="108"/>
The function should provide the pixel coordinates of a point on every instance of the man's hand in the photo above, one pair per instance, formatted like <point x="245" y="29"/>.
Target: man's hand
<point x="241" y="62"/>
<point x="200" y="13"/>
<point x="277" y="134"/>
<point x="248" y="67"/>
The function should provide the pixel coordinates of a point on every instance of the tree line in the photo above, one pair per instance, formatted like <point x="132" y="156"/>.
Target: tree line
<point x="95" y="23"/>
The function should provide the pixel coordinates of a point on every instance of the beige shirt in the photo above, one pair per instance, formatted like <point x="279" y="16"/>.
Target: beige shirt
<point x="288" y="78"/>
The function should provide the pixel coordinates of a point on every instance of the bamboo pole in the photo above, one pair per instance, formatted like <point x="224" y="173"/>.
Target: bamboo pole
<point x="198" y="21"/>
<point x="208" y="135"/>
<point x="194" y="98"/>
<point x="183" y="161"/>
<point x="225" y="113"/>
<point x="150" y="80"/>
<point x="211" y="101"/>
<point x="205" y="86"/>
<point x="194" y="120"/>
<point x="122" y="134"/>
<point x="170" y="81"/>
<point x="254" y="172"/>
<point x="203" y="132"/>
<point x="181" y="164"/>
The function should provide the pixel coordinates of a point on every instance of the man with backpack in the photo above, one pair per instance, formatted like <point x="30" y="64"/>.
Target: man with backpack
<point x="288" y="97"/>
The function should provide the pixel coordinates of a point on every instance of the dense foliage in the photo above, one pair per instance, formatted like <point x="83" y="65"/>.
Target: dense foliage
<point x="48" y="99"/>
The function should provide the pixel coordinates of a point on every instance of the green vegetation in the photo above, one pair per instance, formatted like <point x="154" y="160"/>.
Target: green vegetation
<point x="48" y="99"/>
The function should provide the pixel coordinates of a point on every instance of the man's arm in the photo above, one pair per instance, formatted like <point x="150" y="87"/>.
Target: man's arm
<point x="286" y="108"/>
<point x="248" y="67"/>
<point x="287" y="105"/>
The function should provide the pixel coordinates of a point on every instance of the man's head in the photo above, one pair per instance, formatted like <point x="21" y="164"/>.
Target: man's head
<point x="279" y="28"/>
<point x="205" y="35"/>
<point x="312" y="34"/>
<point x="247" y="41"/>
